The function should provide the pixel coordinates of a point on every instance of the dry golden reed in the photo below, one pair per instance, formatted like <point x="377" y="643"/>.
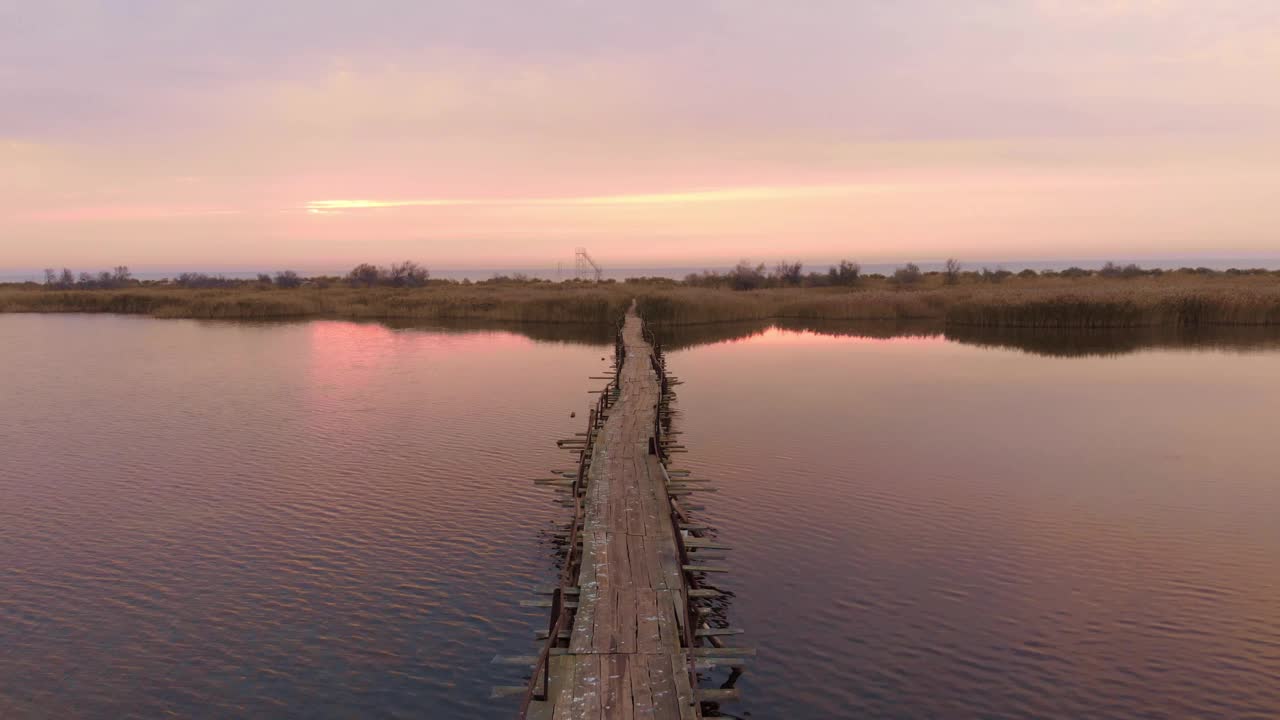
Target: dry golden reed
<point x="1092" y="302"/>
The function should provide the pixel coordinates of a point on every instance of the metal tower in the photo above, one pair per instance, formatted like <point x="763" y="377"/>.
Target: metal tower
<point x="585" y="267"/>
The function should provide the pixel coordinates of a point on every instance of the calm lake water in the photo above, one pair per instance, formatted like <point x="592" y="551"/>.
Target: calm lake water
<point x="334" y="520"/>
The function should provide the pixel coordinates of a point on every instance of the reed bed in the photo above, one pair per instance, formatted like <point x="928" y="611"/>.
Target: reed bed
<point x="1042" y="303"/>
<point x="1172" y="300"/>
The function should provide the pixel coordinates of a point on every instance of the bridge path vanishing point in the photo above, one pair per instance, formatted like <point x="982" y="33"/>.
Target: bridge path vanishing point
<point x="620" y="644"/>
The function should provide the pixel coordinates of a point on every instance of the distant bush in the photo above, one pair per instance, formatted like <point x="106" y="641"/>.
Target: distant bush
<point x="201" y="280"/>
<point x="908" y="274"/>
<point x="1112" y="270"/>
<point x="649" y="280"/>
<point x="287" y="279"/>
<point x="995" y="276"/>
<point x="364" y="274"/>
<point x="746" y="277"/>
<point x="787" y="273"/>
<point x="405" y="274"/>
<point x="845" y="274"/>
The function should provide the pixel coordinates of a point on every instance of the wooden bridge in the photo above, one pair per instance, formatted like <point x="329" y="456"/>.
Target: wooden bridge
<point x="629" y="634"/>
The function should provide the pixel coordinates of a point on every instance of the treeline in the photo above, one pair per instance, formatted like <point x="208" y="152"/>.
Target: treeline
<point x="746" y="276"/>
<point x="105" y="280"/>
<point x="120" y="277"/>
<point x="404" y="274"/>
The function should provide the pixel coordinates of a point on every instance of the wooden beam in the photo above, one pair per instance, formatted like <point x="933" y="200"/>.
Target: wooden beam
<point x="705" y="568"/>
<point x="502" y="691"/>
<point x="546" y="603"/>
<point x="716" y="632"/>
<point x="717" y="694"/>
<point x="724" y="652"/>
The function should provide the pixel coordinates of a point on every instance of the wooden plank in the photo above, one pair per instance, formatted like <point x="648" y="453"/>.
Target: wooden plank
<point x="561" y="691"/>
<point x="514" y="659"/>
<point x="616" y="699"/>
<point x="549" y="589"/>
<point x="684" y="689"/>
<point x="669" y="637"/>
<point x="666" y="705"/>
<point x="714" y="632"/>
<point x="546" y="603"/>
<point x="501" y="691"/>
<point x="605" y="639"/>
<point x="711" y="663"/>
<point x="641" y="688"/>
<point x="696" y="542"/>
<point x="648" y="636"/>
<point x="717" y="694"/>
<point x="627" y="621"/>
<point x="620" y="557"/>
<point x="706" y="568"/>
<point x="725" y="651"/>
<point x="586" y="686"/>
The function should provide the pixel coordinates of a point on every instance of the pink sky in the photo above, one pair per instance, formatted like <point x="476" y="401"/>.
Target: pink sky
<point x="314" y="133"/>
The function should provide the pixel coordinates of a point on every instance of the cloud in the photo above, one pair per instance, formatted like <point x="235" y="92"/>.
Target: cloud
<point x="719" y="195"/>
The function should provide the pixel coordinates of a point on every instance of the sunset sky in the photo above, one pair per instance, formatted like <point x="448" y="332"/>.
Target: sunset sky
<point x="292" y="133"/>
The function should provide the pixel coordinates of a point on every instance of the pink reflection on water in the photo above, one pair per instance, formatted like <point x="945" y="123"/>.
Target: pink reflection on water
<point x="781" y="336"/>
<point x="352" y="354"/>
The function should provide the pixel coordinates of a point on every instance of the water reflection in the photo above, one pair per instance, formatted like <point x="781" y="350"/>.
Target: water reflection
<point x="328" y="519"/>
<point x="1036" y="341"/>
<point x="924" y="526"/>
<point x="1120" y="341"/>
<point x="567" y="333"/>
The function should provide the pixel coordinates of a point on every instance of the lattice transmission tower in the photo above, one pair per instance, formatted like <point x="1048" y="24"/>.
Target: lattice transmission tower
<point x="585" y="267"/>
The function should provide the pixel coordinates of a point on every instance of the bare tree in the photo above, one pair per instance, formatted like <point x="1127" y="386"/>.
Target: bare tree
<point x="952" y="271"/>
<point x="288" y="279"/>
<point x="787" y="273"/>
<point x="746" y="277"/>
<point x="407" y="274"/>
<point x="364" y="274"/>
<point x="846" y="273"/>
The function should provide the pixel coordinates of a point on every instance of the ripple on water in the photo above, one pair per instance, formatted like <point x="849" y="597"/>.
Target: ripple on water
<point x="329" y="520"/>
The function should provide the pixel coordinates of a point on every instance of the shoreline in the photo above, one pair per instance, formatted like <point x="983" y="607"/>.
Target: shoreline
<point x="1169" y="301"/>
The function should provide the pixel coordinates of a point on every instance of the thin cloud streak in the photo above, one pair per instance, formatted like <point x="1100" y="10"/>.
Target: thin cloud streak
<point x="762" y="193"/>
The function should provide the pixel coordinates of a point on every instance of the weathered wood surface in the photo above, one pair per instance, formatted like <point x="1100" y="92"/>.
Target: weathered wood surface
<point x="625" y="656"/>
